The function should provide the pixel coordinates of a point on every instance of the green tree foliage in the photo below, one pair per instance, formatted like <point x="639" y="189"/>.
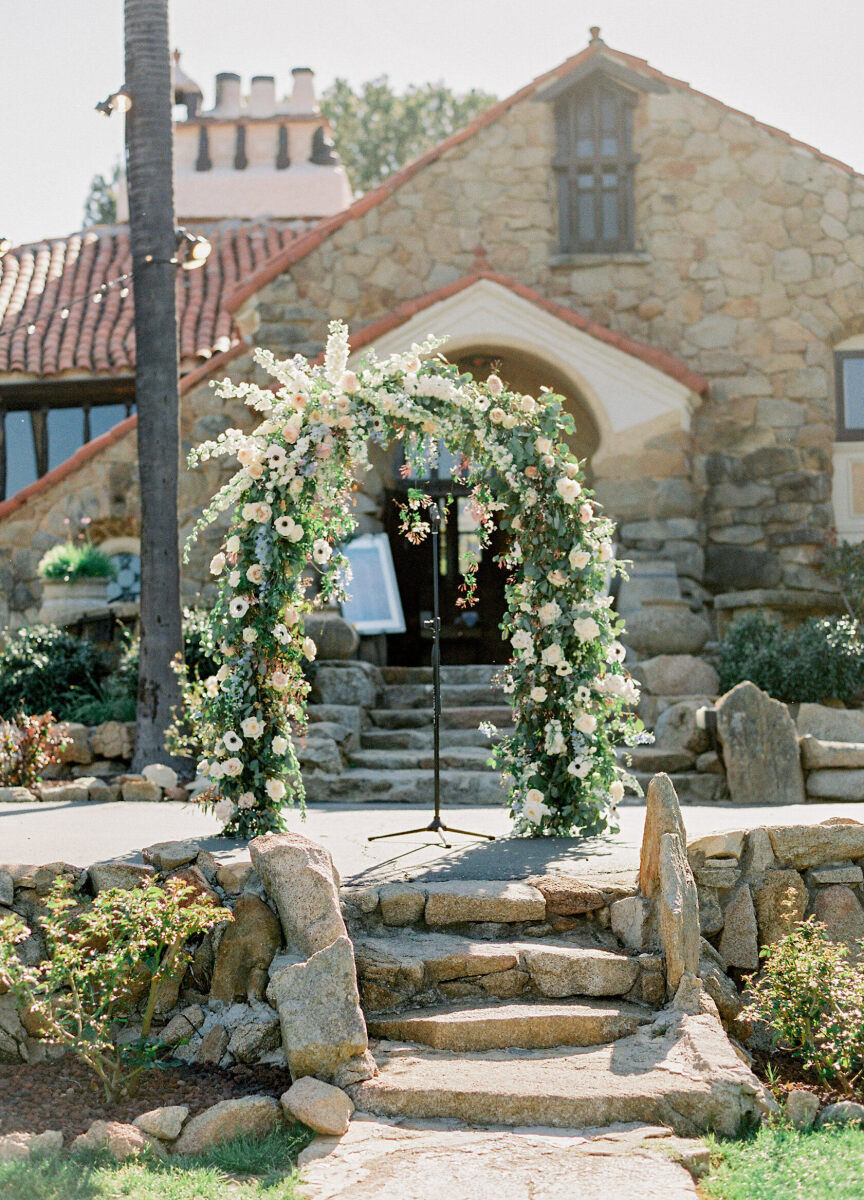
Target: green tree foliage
<point x="100" y="206"/>
<point x="377" y="130"/>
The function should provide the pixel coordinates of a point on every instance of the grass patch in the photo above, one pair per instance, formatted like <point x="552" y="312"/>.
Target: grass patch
<point x="779" y="1163"/>
<point x="244" y="1169"/>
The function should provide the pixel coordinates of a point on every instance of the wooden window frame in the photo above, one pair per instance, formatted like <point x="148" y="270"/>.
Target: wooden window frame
<point x="844" y="433"/>
<point x="569" y="165"/>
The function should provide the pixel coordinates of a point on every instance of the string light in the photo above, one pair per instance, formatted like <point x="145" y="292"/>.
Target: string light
<point x="119" y="101"/>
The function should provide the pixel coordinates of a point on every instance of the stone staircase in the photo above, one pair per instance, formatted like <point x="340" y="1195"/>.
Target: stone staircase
<point x="485" y="1006"/>
<point x="391" y="756"/>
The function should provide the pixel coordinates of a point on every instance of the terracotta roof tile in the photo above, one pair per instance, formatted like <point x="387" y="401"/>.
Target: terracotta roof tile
<point x="98" y="336"/>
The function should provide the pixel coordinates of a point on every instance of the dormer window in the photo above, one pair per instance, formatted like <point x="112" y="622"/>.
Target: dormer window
<point x="594" y="166"/>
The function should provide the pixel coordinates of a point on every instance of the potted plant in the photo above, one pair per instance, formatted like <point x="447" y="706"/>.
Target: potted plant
<point x="75" y="576"/>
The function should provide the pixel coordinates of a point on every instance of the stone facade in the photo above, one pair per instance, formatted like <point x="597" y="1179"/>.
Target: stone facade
<point x="748" y="267"/>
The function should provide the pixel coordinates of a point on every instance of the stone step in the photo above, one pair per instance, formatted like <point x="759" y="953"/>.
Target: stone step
<point x="459" y="758"/>
<point x="526" y="1025"/>
<point x="360" y="785"/>
<point x="421" y="739"/>
<point x="453" y="695"/>
<point x="472" y="673"/>
<point x="500" y="715"/>
<point x="409" y="968"/>
<point x="680" y="1071"/>
<point x="656" y="758"/>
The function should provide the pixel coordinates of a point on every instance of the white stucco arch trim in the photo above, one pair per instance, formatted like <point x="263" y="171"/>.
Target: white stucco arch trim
<point x="623" y="391"/>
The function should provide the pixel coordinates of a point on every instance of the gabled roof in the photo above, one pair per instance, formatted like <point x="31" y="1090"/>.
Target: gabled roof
<point x="98" y="338"/>
<point x="553" y="80"/>
<point x="660" y="359"/>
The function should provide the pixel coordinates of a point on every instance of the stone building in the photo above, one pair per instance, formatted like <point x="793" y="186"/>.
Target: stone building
<point x="689" y="278"/>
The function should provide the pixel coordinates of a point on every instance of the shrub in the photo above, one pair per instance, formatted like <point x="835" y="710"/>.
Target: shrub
<point x="823" y="658"/>
<point x="103" y="956"/>
<point x="812" y="999"/>
<point x="71" y="561"/>
<point x="844" y="563"/>
<point x="27" y="746"/>
<point x="45" y="668"/>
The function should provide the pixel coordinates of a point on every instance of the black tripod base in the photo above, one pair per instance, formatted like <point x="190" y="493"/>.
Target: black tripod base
<point x="436" y="825"/>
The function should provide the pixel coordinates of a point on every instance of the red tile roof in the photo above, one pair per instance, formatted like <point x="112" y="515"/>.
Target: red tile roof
<point x="319" y="233"/>
<point x="98" y="337"/>
<point x="660" y="359"/>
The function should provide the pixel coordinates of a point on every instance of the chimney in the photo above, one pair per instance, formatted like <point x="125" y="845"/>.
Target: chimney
<point x="262" y="96"/>
<point x="303" y="100"/>
<point x="227" y="95"/>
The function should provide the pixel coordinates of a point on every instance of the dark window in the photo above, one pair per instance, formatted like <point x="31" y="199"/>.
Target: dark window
<point x="849" y="375"/>
<point x="37" y="438"/>
<point x="594" y="166"/>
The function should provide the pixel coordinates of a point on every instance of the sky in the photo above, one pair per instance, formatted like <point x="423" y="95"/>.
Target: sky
<point x="795" y="64"/>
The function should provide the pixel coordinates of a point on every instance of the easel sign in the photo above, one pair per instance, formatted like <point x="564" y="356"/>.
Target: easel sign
<point x="374" y="605"/>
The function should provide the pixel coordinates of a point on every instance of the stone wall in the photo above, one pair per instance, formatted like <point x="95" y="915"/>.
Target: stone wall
<point x="247" y="996"/>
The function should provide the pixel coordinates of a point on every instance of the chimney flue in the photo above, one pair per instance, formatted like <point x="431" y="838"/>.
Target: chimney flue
<point x="227" y="94"/>
<point x="303" y="99"/>
<point x="262" y="96"/>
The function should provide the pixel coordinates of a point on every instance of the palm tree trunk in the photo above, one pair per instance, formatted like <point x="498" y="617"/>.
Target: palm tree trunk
<point x="149" y="175"/>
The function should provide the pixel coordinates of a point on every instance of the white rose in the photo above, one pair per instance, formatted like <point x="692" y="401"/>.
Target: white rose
<point x="549" y="613"/>
<point x="586" y="629"/>
<point x="605" y="552"/>
<point x="522" y="640"/>
<point x="255" y="573"/>
<point x="616" y="792"/>
<point x="280" y="744"/>
<point x="233" y="544"/>
<point x="309" y="648"/>
<point x="557" y="743"/>
<point x="538" y="694"/>
<point x="509" y="421"/>
<point x="223" y="810"/>
<point x="528" y="405"/>
<point x="585" y="723"/>
<point x="232" y="767"/>
<point x="350" y="383"/>
<point x="292" y="616"/>
<point x="542" y="445"/>
<point x="281" y="633"/>
<point x="568" y="489"/>
<point x="223" y="673"/>
<point x="557" y="578"/>
<point x="234" y="579"/>
<point x="552" y="655"/>
<point x="494" y="385"/>
<point x="579" y="559"/>
<point x="250" y="635"/>
<point x="275" y="789"/>
<point x="534" y="808"/>
<point x="217" y="564"/>
<point x="247" y="800"/>
<point x="251" y="727"/>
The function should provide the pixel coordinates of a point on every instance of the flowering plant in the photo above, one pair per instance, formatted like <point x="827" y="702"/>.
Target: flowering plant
<point x="292" y="508"/>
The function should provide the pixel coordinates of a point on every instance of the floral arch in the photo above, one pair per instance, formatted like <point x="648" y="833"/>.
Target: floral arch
<point x="291" y="502"/>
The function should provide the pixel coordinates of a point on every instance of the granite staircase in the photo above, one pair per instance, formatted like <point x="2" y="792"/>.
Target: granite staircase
<point x="392" y="759"/>
<point x="485" y="1005"/>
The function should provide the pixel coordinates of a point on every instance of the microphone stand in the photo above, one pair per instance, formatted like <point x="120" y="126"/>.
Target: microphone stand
<point x="436" y="825"/>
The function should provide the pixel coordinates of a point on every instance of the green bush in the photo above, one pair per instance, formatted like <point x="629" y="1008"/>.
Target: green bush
<point x="812" y="999"/>
<point x="104" y="957"/>
<point x="45" y="669"/>
<point x="821" y="659"/>
<point x="71" y="561"/>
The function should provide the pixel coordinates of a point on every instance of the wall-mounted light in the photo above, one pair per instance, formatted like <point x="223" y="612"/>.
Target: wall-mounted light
<point x="119" y="101"/>
<point x="192" y="249"/>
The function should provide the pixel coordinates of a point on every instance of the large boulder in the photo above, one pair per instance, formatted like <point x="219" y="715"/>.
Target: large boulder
<point x="303" y="882"/>
<point x="840" y="911"/>
<point x="121" y="1141"/>
<point x="677" y="911"/>
<point x="319" y="1009"/>
<point x="248" y="1116"/>
<point x="245" y="952"/>
<point x="667" y="629"/>
<point x="322" y="1107"/>
<point x="662" y="815"/>
<point x="760" y="748"/>
<point x="676" y="728"/>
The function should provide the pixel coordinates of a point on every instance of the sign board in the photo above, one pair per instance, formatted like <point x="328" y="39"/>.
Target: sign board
<point x="374" y="605"/>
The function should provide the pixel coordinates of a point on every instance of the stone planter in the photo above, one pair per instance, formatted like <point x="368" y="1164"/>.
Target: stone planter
<point x="63" y="603"/>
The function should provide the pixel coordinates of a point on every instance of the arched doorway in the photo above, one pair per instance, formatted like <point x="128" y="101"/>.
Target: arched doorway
<point x="468" y="635"/>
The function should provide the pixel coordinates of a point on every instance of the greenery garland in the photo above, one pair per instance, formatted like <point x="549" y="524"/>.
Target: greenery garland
<point x="292" y="507"/>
